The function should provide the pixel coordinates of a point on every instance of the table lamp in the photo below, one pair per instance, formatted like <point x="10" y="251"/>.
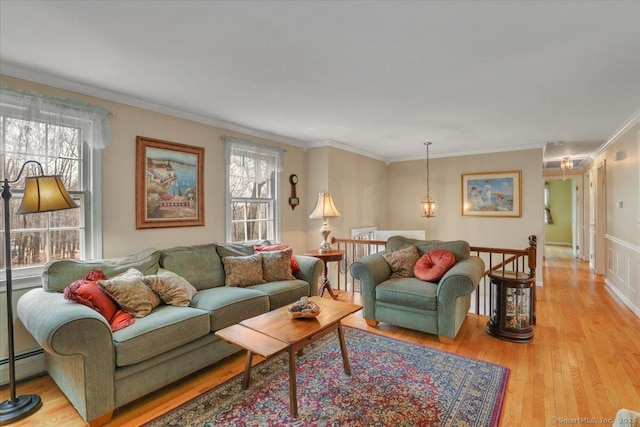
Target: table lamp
<point x="42" y="193"/>
<point x="325" y="208"/>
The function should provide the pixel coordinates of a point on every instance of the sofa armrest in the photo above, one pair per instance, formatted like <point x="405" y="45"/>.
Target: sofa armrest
<point x="311" y="270"/>
<point x="461" y="280"/>
<point x="370" y="270"/>
<point x="79" y="347"/>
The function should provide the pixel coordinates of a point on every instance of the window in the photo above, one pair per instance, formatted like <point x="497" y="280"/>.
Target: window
<point x="252" y="208"/>
<point x="56" y="133"/>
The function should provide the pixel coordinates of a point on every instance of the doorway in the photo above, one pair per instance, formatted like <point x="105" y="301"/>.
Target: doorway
<point x="563" y="229"/>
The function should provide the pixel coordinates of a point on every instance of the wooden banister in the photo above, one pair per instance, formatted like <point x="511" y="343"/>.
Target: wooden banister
<point x="524" y="260"/>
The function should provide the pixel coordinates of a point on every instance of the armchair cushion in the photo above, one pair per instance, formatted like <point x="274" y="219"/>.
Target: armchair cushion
<point x="408" y="292"/>
<point x="402" y="261"/>
<point x="432" y="265"/>
<point x="460" y="248"/>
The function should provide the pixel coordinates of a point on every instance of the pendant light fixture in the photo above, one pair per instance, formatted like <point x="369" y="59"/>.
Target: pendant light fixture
<point x="427" y="205"/>
<point x="566" y="164"/>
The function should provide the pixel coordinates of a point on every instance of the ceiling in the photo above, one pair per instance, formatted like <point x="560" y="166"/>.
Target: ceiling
<point x="379" y="78"/>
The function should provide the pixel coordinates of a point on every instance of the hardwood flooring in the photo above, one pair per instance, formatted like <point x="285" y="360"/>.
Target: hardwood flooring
<point x="583" y="365"/>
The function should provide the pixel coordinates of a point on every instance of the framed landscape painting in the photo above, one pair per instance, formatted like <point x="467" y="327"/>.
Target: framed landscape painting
<point x="492" y="194"/>
<point x="169" y="184"/>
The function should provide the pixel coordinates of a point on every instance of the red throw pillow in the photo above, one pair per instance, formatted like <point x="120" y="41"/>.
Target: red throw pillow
<point x="295" y="267"/>
<point x="433" y="265"/>
<point x="86" y="291"/>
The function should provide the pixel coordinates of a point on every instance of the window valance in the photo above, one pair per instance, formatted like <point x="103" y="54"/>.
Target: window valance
<point x="92" y="119"/>
<point x="273" y="156"/>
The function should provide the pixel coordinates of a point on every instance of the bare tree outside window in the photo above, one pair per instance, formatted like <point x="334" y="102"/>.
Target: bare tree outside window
<point x="39" y="238"/>
<point x="252" y="201"/>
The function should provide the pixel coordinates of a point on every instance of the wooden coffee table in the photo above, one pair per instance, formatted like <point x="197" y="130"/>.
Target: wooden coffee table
<point x="268" y="334"/>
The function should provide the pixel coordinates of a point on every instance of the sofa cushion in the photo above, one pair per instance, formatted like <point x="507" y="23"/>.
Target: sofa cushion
<point x="283" y="292"/>
<point x="295" y="267"/>
<point x="460" y="248"/>
<point x="227" y="306"/>
<point x="434" y="264"/>
<point x="243" y="270"/>
<point x="171" y="288"/>
<point x="59" y="274"/>
<point x="165" y="328"/>
<point x="86" y="291"/>
<point x="408" y="292"/>
<point x="402" y="261"/>
<point x="200" y="265"/>
<point x="131" y="293"/>
<point x="234" y="249"/>
<point x="276" y="265"/>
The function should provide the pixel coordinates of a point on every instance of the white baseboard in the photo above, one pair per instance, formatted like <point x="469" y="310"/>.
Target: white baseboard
<point x="623" y="298"/>
<point x="569" y="244"/>
<point x="26" y="367"/>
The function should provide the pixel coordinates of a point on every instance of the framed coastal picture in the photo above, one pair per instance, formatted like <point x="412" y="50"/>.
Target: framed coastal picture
<point x="169" y="184"/>
<point x="492" y="194"/>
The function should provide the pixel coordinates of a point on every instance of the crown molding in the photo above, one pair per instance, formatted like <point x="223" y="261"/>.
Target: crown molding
<point x="492" y="150"/>
<point x="346" y="147"/>
<point x="96" y="92"/>
<point x="631" y="122"/>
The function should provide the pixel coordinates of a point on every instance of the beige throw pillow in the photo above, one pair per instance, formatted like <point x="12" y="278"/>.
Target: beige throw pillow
<point x="243" y="270"/>
<point x="402" y="261"/>
<point x="129" y="290"/>
<point x="276" y="265"/>
<point x="172" y="289"/>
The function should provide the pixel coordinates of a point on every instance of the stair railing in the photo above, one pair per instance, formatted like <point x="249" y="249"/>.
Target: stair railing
<point x="523" y="260"/>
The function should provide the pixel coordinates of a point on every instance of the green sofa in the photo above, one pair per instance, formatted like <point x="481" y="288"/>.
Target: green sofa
<point x="100" y="370"/>
<point x="436" y="308"/>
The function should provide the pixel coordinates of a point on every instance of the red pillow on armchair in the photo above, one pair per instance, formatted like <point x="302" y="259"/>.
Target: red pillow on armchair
<point x="86" y="291"/>
<point x="295" y="267"/>
<point x="433" y="265"/>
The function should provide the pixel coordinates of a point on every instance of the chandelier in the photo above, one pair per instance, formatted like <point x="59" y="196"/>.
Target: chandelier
<point x="566" y="164"/>
<point x="427" y="205"/>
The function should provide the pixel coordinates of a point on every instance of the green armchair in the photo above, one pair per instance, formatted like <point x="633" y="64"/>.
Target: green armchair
<point x="437" y="308"/>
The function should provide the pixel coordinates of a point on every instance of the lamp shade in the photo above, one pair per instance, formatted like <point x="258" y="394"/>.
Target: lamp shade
<point x="325" y="208"/>
<point x="44" y="194"/>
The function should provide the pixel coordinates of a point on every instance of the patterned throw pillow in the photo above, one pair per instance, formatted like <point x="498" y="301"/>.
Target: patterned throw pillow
<point x="295" y="267"/>
<point x="276" y="265"/>
<point x="402" y="261"/>
<point x="432" y="265"/>
<point x="86" y="291"/>
<point x="128" y="290"/>
<point x="243" y="270"/>
<point x="172" y="289"/>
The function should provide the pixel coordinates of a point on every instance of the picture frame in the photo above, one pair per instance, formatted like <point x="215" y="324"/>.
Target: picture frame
<point x="492" y="194"/>
<point x="169" y="184"/>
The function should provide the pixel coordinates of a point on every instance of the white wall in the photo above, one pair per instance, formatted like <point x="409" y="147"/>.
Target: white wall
<point x="622" y="246"/>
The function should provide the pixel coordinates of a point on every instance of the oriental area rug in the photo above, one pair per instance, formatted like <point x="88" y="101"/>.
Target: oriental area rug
<point x="392" y="383"/>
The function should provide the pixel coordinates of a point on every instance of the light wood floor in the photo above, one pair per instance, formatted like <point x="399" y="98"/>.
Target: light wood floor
<point x="584" y="362"/>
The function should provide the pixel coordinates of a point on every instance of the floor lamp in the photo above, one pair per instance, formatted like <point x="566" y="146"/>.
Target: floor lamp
<point x="42" y="193"/>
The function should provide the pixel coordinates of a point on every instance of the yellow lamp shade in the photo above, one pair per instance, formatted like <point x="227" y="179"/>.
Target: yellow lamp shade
<point x="44" y="194"/>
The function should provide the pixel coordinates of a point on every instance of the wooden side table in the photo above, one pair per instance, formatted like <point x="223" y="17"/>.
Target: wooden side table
<point x="326" y="256"/>
<point x="514" y="306"/>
